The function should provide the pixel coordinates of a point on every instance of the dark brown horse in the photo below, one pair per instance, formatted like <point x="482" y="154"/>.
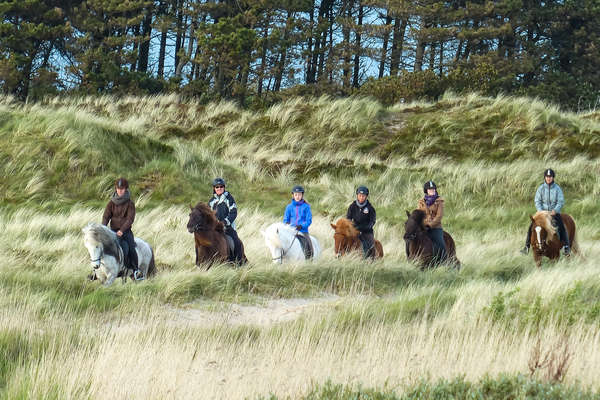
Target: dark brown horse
<point x="209" y="235"/>
<point x="346" y="239"/>
<point x="419" y="246"/>
<point x="544" y="236"/>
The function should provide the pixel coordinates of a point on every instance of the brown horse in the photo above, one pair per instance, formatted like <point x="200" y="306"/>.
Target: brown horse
<point x="544" y="236"/>
<point x="419" y="246"/>
<point x="209" y="235"/>
<point x="346" y="239"/>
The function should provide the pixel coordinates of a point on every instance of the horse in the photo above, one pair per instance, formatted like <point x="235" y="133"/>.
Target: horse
<point x="106" y="256"/>
<point x="419" y="245"/>
<point x="544" y="236"/>
<point x="210" y="240"/>
<point x="281" y="240"/>
<point x="346" y="239"/>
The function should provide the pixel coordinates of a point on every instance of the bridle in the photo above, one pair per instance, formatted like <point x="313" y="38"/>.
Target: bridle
<point x="283" y="253"/>
<point x="98" y="261"/>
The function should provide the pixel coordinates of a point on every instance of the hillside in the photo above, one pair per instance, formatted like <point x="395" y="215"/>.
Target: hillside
<point x="330" y="329"/>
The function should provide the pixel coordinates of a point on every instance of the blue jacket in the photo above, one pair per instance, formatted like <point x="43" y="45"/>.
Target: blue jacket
<point x="298" y="213"/>
<point x="549" y="197"/>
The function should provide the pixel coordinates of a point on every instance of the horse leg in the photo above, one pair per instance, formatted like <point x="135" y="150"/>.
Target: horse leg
<point x="110" y="278"/>
<point x="538" y="259"/>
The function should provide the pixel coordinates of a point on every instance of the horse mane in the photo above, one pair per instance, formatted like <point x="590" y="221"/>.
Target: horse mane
<point x="103" y="235"/>
<point x="544" y="219"/>
<point x="272" y="235"/>
<point x="345" y="227"/>
<point x="418" y="216"/>
<point x="210" y="216"/>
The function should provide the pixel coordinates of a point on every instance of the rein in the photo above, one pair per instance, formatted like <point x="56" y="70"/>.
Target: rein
<point x="98" y="260"/>
<point x="280" y="258"/>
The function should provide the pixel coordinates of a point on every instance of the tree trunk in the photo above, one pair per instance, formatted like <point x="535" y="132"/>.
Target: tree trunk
<point x="358" y="49"/>
<point x="145" y="44"/>
<point x="397" y="44"/>
<point x="386" y="36"/>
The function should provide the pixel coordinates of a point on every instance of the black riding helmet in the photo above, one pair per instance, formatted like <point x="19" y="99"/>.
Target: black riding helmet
<point x="122" y="183"/>
<point x="218" y="182"/>
<point x="297" y="189"/>
<point x="362" y="190"/>
<point x="549" y="172"/>
<point x="429" y="185"/>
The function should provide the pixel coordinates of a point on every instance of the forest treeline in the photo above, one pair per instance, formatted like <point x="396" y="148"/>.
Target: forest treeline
<point x="259" y="51"/>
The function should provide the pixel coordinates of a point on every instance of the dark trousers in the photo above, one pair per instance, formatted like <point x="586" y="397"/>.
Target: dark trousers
<point x="563" y="236"/>
<point x="127" y="243"/>
<point x="237" y="245"/>
<point x="308" y="247"/>
<point x="439" y="246"/>
<point x="367" y="239"/>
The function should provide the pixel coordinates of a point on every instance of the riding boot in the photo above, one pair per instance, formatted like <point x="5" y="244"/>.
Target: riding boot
<point x="309" y="247"/>
<point x="525" y="249"/>
<point x="368" y="244"/>
<point x="563" y="236"/>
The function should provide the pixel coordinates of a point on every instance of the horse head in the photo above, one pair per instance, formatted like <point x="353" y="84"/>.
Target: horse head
<point x="202" y="218"/>
<point x="344" y="234"/>
<point x="414" y="225"/>
<point x="100" y="242"/>
<point x="543" y="232"/>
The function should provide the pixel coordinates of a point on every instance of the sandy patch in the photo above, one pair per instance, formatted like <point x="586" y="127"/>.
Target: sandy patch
<point x="272" y="312"/>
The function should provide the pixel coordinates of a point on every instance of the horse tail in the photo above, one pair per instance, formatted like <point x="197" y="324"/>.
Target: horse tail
<point x="152" y="265"/>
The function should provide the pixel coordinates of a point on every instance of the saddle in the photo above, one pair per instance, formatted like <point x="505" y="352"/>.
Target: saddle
<point x="306" y="247"/>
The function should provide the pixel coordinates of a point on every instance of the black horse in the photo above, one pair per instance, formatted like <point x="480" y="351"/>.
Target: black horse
<point x="419" y="246"/>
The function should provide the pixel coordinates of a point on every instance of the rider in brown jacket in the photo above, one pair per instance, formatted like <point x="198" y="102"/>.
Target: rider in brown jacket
<point x="433" y="205"/>
<point x="120" y="211"/>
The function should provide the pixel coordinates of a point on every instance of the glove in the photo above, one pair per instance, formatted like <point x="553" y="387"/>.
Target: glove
<point x="298" y="227"/>
<point x="427" y="227"/>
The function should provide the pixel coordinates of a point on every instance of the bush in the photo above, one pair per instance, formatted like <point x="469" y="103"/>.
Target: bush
<point x="405" y="88"/>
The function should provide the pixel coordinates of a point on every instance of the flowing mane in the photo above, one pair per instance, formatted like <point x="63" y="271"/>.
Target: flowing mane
<point x="345" y="227"/>
<point x="544" y="219"/>
<point x="209" y="217"/>
<point x="103" y="235"/>
<point x="418" y="216"/>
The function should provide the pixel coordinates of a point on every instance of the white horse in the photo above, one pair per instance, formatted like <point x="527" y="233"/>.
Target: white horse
<point x="106" y="255"/>
<point x="283" y="244"/>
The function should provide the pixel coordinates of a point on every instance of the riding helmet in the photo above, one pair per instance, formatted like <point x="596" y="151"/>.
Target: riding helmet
<point x="297" y="189"/>
<point x="362" y="190"/>
<point x="549" y="172"/>
<point x="218" y="182"/>
<point x="429" y="185"/>
<point x="121" y="183"/>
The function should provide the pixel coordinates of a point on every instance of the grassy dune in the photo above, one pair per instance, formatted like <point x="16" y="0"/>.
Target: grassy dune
<point x="379" y="330"/>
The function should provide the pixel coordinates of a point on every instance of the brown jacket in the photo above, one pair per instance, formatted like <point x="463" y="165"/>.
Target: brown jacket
<point x="121" y="216"/>
<point x="433" y="214"/>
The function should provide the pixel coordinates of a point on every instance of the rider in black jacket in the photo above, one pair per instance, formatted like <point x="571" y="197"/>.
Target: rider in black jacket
<point x="362" y="215"/>
<point x="226" y="210"/>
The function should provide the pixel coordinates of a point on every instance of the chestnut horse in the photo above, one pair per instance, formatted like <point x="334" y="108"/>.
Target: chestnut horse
<point x="346" y="239"/>
<point x="209" y="235"/>
<point x="544" y="236"/>
<point x="419" y="246"/>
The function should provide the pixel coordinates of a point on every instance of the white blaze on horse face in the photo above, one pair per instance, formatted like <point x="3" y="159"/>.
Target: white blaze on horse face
<point x="538" y="229"/>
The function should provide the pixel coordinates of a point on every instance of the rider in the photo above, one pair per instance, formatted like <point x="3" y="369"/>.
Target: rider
<point x="362" y="215"/>
<point x="433" y="206"/>
<point x="549" y="197"/>
<point x="223" y="204"/>
<point x="298" y="214"/>
<point x="120" y="211"/>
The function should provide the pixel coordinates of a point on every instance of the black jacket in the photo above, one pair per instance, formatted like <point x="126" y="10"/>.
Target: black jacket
<point x="362" y="217"/>
<point x="225" y="208"/>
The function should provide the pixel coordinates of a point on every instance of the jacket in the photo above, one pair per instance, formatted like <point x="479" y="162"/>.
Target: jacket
<point x="121" y="216"/>
<point x="433" y="213"/>
<point x="225" y="208"/>
<point x="363" y="217"/>
<point x="298" y="213"/>
<point x="549" y="197"/>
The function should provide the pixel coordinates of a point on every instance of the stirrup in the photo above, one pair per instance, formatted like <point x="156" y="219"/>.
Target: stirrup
<point x="566" y="251"/>
<point x="138" y="275"/>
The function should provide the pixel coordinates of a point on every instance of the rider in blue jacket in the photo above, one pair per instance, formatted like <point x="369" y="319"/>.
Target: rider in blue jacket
<point x="298" y="215"/>
<point x="549" y="197"/>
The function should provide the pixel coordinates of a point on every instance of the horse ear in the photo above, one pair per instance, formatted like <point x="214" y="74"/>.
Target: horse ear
<point x="333" y="226"/>
<point x="531" y="218"/>
<point x="407" y="214"/>
<point x="191" y="208"/>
